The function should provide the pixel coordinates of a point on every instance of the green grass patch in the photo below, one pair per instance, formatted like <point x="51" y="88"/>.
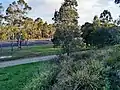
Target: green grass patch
<point x="27" y="77"/>
<point x="31" y="51"/>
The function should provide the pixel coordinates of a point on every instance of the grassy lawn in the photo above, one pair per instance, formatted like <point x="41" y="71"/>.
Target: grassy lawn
<point x="31" y="51"/>
<point x="26" y="77"/>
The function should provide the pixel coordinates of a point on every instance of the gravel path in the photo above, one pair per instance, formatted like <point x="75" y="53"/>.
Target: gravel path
<point x="26" y="61"/>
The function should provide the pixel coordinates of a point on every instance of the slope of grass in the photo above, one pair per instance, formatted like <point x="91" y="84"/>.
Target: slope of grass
<point x="27" y="52"/>
<point x="27" y="77"/>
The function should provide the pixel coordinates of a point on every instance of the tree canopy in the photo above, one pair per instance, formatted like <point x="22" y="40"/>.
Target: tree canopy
<point x="16" y="21"/>
<point x="117" y="1"/>
<point x="66" y="23"/>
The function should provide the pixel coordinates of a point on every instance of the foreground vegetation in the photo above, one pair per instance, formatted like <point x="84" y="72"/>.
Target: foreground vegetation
<point x="97" y="69"/>
<point x="36" y="76"/>
<point x="27" y="52"/>
<point x="93" y="69"/>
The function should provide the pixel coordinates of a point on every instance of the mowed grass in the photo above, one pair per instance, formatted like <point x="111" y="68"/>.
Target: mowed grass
<point x="26" y="77"/>
<point x="27" y="52"/>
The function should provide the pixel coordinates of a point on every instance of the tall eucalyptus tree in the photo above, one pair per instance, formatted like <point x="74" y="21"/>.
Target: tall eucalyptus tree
<point x="1" y="19"/>
<point x="66" y="23"/>
<point x="15" y="14"/>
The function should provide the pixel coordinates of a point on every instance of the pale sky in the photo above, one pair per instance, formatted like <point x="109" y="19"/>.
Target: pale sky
<point x="87" y="9"/>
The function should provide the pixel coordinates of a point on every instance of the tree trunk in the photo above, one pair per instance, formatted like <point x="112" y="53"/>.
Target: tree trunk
<point x="12" y="45"/>
<point x="12" y="42"/>
<point x="20" y="44"/>
<point x="1" y="47"/>
<point x="27" y="42"/>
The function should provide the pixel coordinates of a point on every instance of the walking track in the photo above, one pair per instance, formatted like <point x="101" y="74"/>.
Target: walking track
<point x="26" y="61"/>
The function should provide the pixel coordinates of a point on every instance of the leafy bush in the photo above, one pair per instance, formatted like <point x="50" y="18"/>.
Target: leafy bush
<point x="104" y="36"/>
<point x="77" y="44"/>
<point x="82" y="55"/>
<point x="80" y="75"/>
<point x="85" y="71"/>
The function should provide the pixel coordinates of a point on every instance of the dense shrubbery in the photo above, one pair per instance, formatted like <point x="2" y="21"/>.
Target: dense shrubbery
<point x="90" y="70"/>
<point x="100" y="36"/>
<point x="104" y="36"/>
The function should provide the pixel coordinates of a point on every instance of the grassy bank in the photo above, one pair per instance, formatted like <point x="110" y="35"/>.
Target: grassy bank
<point x="27" y="77"/>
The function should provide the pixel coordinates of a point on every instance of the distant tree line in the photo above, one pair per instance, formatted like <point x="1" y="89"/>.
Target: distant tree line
<point x="15" y="22"/>
<point x="15" y="25"/>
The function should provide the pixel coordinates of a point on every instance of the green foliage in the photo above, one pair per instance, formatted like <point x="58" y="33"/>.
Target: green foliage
<point x="85" y="71"/>
<point x="30" y="30"/>
<point x="17" y="21"/>
<point x="86" y="29"/>
<point x="16" y="12"/>
<point x="66" y="24"/>
<point x="77" y="45"/>
<point x="104" y="36"/>
<point x="106" y="17"/>
<point x="101" y="32"/>
<point x="80" y="75"/>
<point x="96" y="22"/>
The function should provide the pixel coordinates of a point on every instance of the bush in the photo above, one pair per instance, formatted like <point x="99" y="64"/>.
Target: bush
<point x="113" y="74"/>
<point x="80" y="75"/>
<point x="103" y="37"/>
<point x="85" y="71"/>
<point x="82" y="55"/>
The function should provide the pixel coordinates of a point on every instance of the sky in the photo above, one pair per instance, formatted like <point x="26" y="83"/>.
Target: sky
<point x="87" y="9"/>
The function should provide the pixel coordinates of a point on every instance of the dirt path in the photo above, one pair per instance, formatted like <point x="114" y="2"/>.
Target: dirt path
<point x="26" y="61"/>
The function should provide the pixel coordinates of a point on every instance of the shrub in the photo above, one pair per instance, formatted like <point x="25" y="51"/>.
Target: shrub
<point x="103" y="37"/>
<point x="80" y="75"/>
<point x="82" y="55"/>
<point x="113" y="74"/>
<point x="85" y="71"/>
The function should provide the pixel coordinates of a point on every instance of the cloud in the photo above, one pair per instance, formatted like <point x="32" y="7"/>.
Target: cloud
<point x="87" y="8"/>
<point x="54" y="1"/>
<point x="44" y="8"/>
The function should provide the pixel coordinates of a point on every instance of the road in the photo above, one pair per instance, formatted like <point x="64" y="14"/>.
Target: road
<point x="30" y="43"/>
<point x="26" y="61"/>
